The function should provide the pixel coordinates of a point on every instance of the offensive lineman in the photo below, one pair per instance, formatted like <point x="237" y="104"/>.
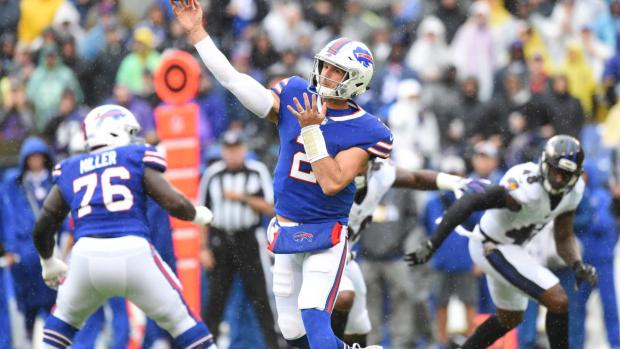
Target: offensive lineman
<point x="326" y="140"/>
<point x="350" y="316"/>
<point x="529" y="196"/>
<point x="106" y="191"/>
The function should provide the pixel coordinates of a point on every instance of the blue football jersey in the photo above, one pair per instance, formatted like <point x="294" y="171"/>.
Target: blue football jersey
<point x="105" y="191"/>
<point x="298" y="195"/>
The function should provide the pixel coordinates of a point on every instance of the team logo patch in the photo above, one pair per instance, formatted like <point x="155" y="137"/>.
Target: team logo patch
<point x="512" y="184"/>
<point x="363" y="57"/>
<point x="303" y="237"/>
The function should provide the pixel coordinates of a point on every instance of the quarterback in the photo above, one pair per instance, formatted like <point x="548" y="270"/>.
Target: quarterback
<point x="529" y="196"/>
<point x="326" y="140"/>
<point x="106" y="190"/>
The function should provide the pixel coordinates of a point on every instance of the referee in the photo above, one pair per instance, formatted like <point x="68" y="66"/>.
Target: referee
<point x="238" y="191"/>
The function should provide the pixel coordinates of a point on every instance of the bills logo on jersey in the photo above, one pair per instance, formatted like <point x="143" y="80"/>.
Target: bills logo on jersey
<point x="303" y="237"/>
<point x="363" y="57"/>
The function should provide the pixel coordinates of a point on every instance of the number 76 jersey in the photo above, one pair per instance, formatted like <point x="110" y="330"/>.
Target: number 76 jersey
<point x="105" y="190"/>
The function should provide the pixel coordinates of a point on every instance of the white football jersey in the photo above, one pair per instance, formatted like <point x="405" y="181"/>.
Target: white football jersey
<point x="379" y="179"/>
<point x="525" y="185"/>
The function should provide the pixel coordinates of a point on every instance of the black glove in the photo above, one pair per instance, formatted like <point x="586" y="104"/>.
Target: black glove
<point x="421" y="255"/>
<point x="585" y="272"/>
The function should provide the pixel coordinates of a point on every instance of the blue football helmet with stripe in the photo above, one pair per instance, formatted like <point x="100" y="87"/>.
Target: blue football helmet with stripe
<point x="351" y="56"/>
<point x="561" y="164"/>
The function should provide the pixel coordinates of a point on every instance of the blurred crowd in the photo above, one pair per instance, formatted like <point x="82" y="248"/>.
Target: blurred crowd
<point x="468" y="87"/>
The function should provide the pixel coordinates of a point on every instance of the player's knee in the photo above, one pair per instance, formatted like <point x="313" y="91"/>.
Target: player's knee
<point x="344" y="302"/>
<point x="555" y="299"/>
<point x="559" y="304"/>
<point x="510" y="319"/>
<point x="291" y="326"/>
<point x="58" y="333"/>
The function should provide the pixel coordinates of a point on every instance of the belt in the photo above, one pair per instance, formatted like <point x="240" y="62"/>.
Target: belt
<point x="101" y="236"/>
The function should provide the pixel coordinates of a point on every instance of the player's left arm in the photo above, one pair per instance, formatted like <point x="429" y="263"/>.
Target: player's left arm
<point x="53" y="213"/>
<point x="172" y="201"/>
<point x="493" y="196"/>
<point x="567" y="248"/>
<point x="334" y="174"/>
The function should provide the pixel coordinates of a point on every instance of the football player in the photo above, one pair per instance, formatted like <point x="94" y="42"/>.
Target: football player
<point x="326" y="140"/>
<point x="106" y="191"/>
<point x="350" y="316"/>
<point x="529" y="196"/>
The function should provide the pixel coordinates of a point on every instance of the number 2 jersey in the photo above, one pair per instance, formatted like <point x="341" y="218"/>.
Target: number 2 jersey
<point x="105" y="190"/>
<point x="525" y="185"/>
<point x="297" y="193"/>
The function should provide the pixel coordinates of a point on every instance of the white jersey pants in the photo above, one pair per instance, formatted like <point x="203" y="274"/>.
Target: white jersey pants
<point x="126" y="267"/>
<point x="306" y="281"/>
<point x="353" y="280"/>
<point x="512" y="274"/>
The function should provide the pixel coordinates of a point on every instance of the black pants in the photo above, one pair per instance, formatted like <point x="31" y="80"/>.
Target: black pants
<point x="238" y="253"/>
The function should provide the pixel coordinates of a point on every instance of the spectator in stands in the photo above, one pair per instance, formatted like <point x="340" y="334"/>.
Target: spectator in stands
<point x="105" y="65"/>
<point x="70" y="58"/>
<point x="382" y="251"/>
<point x="415" y="130"/>
<point x="156" y="22"/>
<point x="473" y="49"/>
<point x="394" y="70"/>
<point x="9" y="16"/>
<point x="581" y="80"/>
<point x="63" y="127"/>
<point x="485" y="162"/>
<point x="463" y="127"/>
<point x="45" y="87"/>
<point x="16" y="115"/>
<point x="452" y="16"/>
<point x="429" y="55"/>
<point x="567" y="115"/>
<point x="139" y="107"/>
<point x="136" y="69"/>
<point x="24" y="191"/>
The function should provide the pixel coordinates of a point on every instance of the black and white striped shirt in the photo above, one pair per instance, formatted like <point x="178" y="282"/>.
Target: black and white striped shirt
<point x="253" y="179"/>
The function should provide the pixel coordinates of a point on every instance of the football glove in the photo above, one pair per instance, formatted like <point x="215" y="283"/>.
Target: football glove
<point x="203" y="215"/>
<point x="585" y="272"/>
<point x="471" y="185"/>
<point x="53" y="271"/>
<point x="421" y="255"/>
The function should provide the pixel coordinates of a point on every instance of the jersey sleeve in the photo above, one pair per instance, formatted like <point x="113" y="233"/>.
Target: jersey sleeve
<point x="515" y="181"/>
<point x="379" y="144"/>
<point x="279" y="87"/>
<point x="154" y="159"/>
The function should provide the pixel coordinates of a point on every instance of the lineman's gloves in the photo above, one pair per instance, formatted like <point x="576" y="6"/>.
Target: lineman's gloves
<point x="203" y="216"/>
<point x="54" y="271"/>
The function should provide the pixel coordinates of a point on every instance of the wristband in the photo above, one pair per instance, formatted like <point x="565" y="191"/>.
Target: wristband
<point x="314" y="143"/>
<point x="446" y="181"/>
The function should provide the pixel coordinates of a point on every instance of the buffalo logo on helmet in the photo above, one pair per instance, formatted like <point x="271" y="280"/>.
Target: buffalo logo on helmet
<point x="363" y="56"/>
<point x="112" y="113"/>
